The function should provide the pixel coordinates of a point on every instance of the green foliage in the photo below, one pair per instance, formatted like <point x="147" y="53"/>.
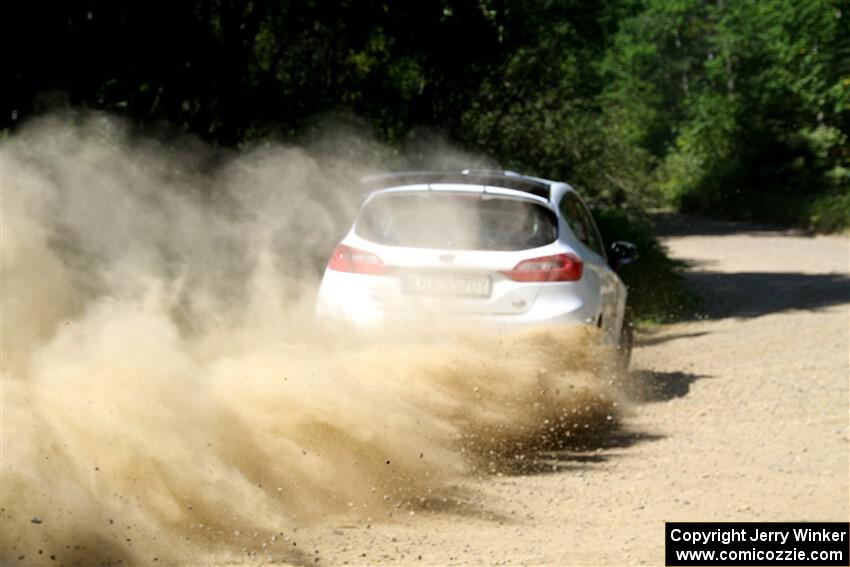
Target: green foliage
<point x="538" y="112"/>
<point x="727" y="107"/>
<point x="650" y="67"/>
<point x="530" y="111"/>
<point x="830" y="212"/>
<point x="657" y="293"/>
<point x="757" y="123"/>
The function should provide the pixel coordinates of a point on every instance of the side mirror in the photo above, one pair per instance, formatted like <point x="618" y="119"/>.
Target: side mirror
<point x="622" y="254"/>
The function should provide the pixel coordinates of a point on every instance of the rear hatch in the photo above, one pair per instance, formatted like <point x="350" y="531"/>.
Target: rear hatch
<point x="454" y="251"/>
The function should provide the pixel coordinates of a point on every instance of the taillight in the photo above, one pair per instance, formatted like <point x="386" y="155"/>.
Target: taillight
<point x="348" y="259"/>
<point x="558" y="268"/>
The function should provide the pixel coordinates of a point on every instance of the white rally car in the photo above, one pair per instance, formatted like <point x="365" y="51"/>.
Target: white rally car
<point x="495" y="247"/>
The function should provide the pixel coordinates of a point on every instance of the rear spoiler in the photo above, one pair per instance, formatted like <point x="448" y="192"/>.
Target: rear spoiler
<point x="503" y="179"/>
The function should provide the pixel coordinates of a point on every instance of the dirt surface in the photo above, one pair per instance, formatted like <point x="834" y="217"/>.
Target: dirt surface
<point x="740" y="415"/>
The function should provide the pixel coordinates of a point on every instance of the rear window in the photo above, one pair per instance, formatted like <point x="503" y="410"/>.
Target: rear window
<point x="455" y="221"/>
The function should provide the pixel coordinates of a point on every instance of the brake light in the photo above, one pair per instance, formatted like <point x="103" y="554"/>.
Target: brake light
<point x="558" y="268"/>
<point x="349" y="259"/>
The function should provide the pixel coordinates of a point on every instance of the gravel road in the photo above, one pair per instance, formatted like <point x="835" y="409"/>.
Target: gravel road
<point x="740" y="415"/>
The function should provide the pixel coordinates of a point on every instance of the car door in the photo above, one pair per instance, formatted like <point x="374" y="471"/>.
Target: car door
<point x="611" y="290"/>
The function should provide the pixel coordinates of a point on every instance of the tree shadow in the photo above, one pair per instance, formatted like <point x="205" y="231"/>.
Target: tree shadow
<point x="752" y="294"/>
<point x="676" y="224"/>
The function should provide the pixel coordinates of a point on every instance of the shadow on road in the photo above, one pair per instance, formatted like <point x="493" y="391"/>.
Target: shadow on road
<point x="583" y="448"/>
<point x="593" y="444"/>
<point x="677" y="224"/>
<point x="751" y="294"/>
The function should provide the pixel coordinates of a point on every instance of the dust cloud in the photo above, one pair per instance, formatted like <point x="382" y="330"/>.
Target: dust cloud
<point x="166" y="393"/>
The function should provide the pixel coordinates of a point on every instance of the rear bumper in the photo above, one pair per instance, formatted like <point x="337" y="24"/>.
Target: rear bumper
<point x="368" y="314"/>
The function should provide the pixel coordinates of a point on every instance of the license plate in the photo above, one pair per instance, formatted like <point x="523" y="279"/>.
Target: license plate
<point x="439" y="284"/>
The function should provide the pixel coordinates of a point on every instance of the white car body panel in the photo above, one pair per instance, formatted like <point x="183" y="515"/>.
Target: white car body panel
<point x="597" y="298"/>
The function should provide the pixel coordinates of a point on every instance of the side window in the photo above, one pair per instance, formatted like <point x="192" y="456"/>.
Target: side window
<point x="594" y="239"/>
<point x="571" y="215"/>
<point x="582" y="224"/>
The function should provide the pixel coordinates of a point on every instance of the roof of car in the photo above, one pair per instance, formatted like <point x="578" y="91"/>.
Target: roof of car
<point x="492" y="178"/>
